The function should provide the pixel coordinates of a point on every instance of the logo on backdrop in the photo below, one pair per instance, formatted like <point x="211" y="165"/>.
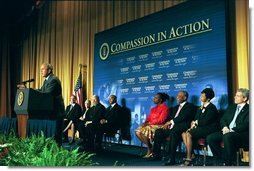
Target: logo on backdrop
<point x="170" y="34"/>
<point x="104" y="51"/>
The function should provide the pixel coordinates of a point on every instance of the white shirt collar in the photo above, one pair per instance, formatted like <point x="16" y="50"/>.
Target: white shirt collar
<point x="47" y="77"/>
<point x="241" y="106"/>
<point x="113" y="105"/>
<point x="205" y="105"/>
<point x="183" y="103"/>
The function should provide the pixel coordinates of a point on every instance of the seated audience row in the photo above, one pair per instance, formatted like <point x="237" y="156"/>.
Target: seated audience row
<point x="94" y="122"/>
<point x="188" y="123"/>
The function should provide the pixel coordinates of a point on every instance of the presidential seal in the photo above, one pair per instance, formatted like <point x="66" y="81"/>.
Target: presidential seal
<point x="20" y="98"/>
<point x="104" y="51"/>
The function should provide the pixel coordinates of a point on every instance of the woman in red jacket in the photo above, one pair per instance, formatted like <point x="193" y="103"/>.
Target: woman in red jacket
<point x="155" y="120"/>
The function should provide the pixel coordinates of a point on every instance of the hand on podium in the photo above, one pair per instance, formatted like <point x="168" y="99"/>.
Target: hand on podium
<point x="21" y="86"/>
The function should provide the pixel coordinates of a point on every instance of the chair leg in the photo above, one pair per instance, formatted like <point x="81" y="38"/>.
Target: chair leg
<point x="120" y="140"/>
<point x="163" y="151"/>
<point x="105" y="141"/>
<point x="199" y="157"/>
<point x="204" y="164"/>
<point x="141" y="147"/>
<point x="110" y="141"/>
<point x="237" y="158"/>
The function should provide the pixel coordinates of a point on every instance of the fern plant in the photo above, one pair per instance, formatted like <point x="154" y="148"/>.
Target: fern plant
<point x="40" y="151"/>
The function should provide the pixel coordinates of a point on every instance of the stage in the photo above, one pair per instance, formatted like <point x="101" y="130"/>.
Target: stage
<point x="126" y="155"/>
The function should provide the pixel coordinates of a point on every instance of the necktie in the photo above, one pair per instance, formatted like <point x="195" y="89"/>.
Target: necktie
<point x="69" y="111"/>
<point x="44" y="81"/>
<point x="178" y="111"/>
<point x="44" y="86"/>
<point x="203" y="109"/>
<point x="71" y="107"/>
<point x="84" y="116"/>
<point x="233" y="124"/>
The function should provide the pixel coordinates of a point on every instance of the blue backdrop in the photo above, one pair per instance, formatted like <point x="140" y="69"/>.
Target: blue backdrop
<point x="180" y="48"/>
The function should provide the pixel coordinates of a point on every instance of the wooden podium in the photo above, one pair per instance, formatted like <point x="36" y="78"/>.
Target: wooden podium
<point x="30" y="103"/>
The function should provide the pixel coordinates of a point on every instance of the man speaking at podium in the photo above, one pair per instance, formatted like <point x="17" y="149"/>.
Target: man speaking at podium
<point x="52" y="86"/>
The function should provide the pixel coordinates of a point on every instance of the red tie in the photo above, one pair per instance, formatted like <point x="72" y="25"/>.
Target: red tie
<point x="178" y="111"/>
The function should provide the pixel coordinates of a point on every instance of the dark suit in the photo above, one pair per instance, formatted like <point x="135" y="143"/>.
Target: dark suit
<point x="53" y="87"/>
<point x="72" y="115"/>
<point x="232" y="140"/>
<point x="181" y="124"/>
<point x="97" y="114"/>
<point x="94" y="114"/>
<point x="113" y="122"/>
<point x="208" y="122"/>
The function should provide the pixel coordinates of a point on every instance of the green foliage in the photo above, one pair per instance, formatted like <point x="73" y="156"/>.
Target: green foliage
<point x="40" y="151"/>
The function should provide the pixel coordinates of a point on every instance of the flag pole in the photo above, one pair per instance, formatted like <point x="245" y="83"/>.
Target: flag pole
<point x="81" y="66"/>
<point x="81" y="79"/>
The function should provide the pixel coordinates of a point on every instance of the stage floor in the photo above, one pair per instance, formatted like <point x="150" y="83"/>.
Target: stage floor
<point x="125" y="155"/>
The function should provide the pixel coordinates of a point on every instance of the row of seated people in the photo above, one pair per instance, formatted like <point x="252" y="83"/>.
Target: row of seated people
<point x="189" y="124"/>
<point x="95" y="121"/>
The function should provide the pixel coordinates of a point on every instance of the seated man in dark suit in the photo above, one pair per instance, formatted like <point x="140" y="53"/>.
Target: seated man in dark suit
<point x="72" y="115"/>
<point x="88" y="127"/>
<point x="178" y="122"/>
<point x="110" y="123"/>
<point x="234" y="129"/>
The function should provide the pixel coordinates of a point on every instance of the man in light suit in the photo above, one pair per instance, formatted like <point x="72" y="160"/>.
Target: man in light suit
<point x="234" y="129"/>
<point x="52" y="86"/>
<point x="110" y="123"/>
<point x="178" y="122"/>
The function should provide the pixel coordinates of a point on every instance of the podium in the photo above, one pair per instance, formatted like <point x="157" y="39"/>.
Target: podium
<point x="30" y="103"/>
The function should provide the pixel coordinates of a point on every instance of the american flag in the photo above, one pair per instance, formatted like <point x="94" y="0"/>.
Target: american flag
<point x="78" y="90"/>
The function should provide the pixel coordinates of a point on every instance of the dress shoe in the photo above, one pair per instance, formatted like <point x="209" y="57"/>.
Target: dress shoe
<point x="81" y="142"/>
<point x="72" y="142"/>
<point x="81" y="149"/>
<point x="98" y="148"/>
<point x="229" y="164"/>
<point x="65" y="141"/>
<point x="170" y="163"/>
<point x="187" y="162"/>
<point x="155" y="157"/>
<point x="148" y="156"/>
<point x="192" y="157"/>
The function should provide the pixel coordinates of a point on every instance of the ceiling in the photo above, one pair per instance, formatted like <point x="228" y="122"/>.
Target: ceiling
<point x="13" y="12"/>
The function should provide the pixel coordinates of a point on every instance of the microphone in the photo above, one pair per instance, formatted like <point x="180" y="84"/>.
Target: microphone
<point x="28" y="81"/>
